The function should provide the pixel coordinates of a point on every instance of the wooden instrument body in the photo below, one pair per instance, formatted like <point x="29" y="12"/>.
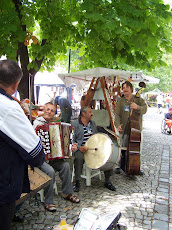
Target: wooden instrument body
<point x="132" y="157"/>
<point x="133" y="149"/>
<point x="30" y="110"/>
<point x="38" y="180"/>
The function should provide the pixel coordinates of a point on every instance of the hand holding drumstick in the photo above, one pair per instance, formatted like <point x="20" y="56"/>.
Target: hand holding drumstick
<point x="83" y="149"/>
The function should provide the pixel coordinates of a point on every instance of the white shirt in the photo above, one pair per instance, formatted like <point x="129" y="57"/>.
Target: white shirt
<point x="15" y="124"/>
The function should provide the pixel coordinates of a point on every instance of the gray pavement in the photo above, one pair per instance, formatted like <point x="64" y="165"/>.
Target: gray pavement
<point x="144" y="201"/>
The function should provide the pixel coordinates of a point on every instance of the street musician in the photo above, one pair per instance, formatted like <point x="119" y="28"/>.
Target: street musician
<point x="19" y="144"/>
<point x="123" y="110"/>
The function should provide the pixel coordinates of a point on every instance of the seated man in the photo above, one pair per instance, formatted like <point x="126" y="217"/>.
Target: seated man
<point x="168" y="116"/>
<point x="57" y="164"/>
<point x="83" y="129"/>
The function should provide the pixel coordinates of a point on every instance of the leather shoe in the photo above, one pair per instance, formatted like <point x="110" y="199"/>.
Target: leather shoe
<point x="110" y="186"/>
<point x="117" y="170"/>
<point x="76" y="187"/>
<point x="17" y="218"/>
<point x="141" y="173"/>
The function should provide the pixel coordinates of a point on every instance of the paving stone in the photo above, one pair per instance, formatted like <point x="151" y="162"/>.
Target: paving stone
<point x="161" y="209"/>
<point x="162" y="190"/>
<point x="147" y="227"/>
<point x="147" y="222"/>
<point x="170" y="226"/>
<point x="139" y="220"/>
<point x="159" y="225"/>
<point x="163" y="195"/>
<point x="162" y="201"/>
<point x="159" y="216"/>
<point x="163" y="180"/>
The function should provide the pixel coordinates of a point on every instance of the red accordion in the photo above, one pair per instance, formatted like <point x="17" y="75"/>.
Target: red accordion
<point x="56" y="139"/>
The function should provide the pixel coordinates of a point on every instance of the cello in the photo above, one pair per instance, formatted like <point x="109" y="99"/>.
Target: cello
<point x="132" y="159"/>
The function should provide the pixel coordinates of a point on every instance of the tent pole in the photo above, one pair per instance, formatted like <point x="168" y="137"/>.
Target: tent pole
<point x="69" y="60"/>
<point x="68" y="91"/>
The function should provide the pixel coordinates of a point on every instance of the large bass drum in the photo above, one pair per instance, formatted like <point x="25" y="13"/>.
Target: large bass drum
<point x="103" y="152"/>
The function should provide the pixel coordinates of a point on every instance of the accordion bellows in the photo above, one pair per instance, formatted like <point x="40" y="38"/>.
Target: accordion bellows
<point x="56" y="139"/>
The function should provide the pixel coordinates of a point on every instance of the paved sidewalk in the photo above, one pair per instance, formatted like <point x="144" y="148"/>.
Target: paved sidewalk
<point x="144" y="201"/>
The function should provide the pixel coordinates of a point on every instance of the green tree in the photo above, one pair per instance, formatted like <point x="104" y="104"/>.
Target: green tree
<point x="101" y="33"/>
<point x="164" y="74"/>
<point x="34" y="32"/>
<point x="136" y="33"/>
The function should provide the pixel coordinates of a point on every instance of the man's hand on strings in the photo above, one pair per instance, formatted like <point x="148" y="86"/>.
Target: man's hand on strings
<point x="119" y="129"/>
<point x="133" y="106"/>
<point x="41" y="110"/>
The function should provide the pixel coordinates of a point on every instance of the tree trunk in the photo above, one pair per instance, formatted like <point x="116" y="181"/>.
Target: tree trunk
<point x="24" y="88"/>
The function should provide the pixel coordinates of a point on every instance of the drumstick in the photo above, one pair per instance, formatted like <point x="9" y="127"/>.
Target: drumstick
<point x="93" y="149"/>
<point x="111" y="132"/>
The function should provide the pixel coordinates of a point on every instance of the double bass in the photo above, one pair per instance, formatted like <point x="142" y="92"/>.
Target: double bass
<point x="132" y="155"/>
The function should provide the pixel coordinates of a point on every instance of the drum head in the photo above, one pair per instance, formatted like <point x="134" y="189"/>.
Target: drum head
<point x="99" y="150"/>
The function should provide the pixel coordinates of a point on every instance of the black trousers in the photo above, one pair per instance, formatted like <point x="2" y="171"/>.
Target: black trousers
<point x="6" y="215"/>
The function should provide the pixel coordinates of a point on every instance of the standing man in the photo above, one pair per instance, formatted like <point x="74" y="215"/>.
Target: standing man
<point x="59" y="165"/>
<point x="124" y="106"/>
<point x="65" y="107"/>
<point x="168" y="99"/>
<point x="19" y="144"/>
<point x="84" y="127"/>
<point x="160" y="100"/>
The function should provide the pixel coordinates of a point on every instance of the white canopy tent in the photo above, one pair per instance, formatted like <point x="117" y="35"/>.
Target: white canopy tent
<point x="43" y="83"/>
<point x="48" y="79"/>
<point x="81" y="78"/>
<point x="156" y="91"/>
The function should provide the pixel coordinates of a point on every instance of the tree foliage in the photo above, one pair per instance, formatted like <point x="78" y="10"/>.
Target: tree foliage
<point x="101" y="33"/>
<point x="164" y="74"/>
<point x="131" y="32"/>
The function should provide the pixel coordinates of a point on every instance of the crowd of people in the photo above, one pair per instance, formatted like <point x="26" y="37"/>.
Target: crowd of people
<point x="20" y="146"/>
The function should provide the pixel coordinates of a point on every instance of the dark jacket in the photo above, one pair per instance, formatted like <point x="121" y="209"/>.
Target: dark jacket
<point x="62" y="102"/>
<point x="78" y="135"/>
<point x="168" y="116"/>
